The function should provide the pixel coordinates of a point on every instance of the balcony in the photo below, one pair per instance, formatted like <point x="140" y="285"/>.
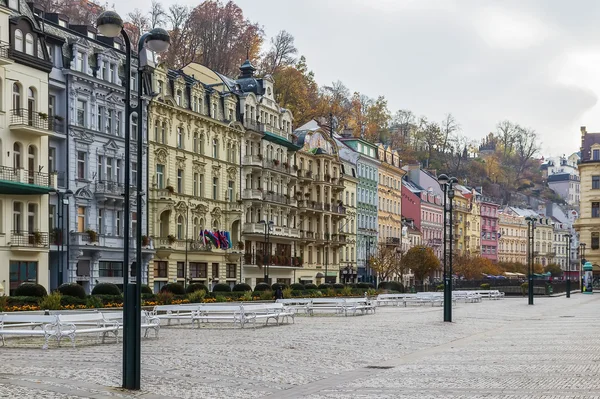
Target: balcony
<point x="338" y="183"/>
<point x="392" y="241"/>
<point x="307" y="236"/>
<point x="4" y="54"/>
<point x="251" y="124"/>
<point x="277" y="198"/>
<point x="17" y="181"/>
<point x="162" y="193"/>
<point x="252" y="194"/>
<point x="25" y="121"/>
<point x="305" y="175"/>
<point x="263" y="127"/>
<point x="259" y="259"/>
<point x="253" y="160"/>
<point x="276" y="231"/>
<point x="106" y="190"/>
<point x="35" y="240"/>
<point x="339" y="209"/>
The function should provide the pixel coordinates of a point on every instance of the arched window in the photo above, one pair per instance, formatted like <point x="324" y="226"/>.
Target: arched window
<point x="178" y="97"/>
<point x="18" y="40"/>
<point x="215" y="225"/>
<point x="29" y="44"/>
<point x="16" y="98"/>
<point x="196" y="229"/>
<point x="180" y="227"/>
<point x="31" y="164"/>
<point x="31" y="99"/>
<point x="17" y="155"/>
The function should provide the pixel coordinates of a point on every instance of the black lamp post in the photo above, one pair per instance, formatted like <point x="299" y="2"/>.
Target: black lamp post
<point x="63" y="199"/>
<point x="268" y="227"/>
<point x="110" y="24"/>
<point x="530" y="248"/>
<point x="568" y="237"/>
<point x="368" y="274"/>
<point x="582" y="255"/>
<point x="447" y="184"/>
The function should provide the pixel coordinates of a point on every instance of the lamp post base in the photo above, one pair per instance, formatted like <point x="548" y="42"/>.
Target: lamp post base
<point x="447" y="301"/>
<point x="530" y="291"/>
<point x="568" y="288"/>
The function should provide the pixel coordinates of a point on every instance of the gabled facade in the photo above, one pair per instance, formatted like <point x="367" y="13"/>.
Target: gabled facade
<point x="389" y="191"/>
<point x="367" y="202"/>
<point x="348" y="265"/>
<point x="512" y="237"/>
<point x="87" y="93"/>
<point x="194" y="204"/>
<point x="26" y="179"/>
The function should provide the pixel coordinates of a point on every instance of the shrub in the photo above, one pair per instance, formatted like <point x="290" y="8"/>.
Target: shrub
<point x="485" y="286"/>
<point x="287" y="293"/>
<point x="330" y="292"/>
<point x="173" y="288"/>
<point x="110" y="298"/>
<point x="94" y="302"/>
<point x="364" y="285"/>
<point x="31" y="289"/>
<point x="371" y="292"/>
<point x="164" y="297"/>
<point x="22" y="300"/>
<point x="242" y="287"/>
<point x="262" y="287"/>
<point x="346" y="291"/>
<point x="278" y="285"/>
<point x="3" y="302"/>
<point x="297" y="287"/>
<point x="197" y="296"/>
<point x="106" y="289"/>
<point x="67" y="300"/>
<point x="338" y="286"/>
<point x="266" y="295"/>
<point x="524" y="288"/>
<point x="220" y="298"/>
<point x="440" y="287"/>
<point x="51" y="302"/>
<point x="72" y="289"/>
<point x="391" y="286"/>
<point x="310" y="287"/>
<point x="221" y="287"/>
<point x="146" y="290"/>
<point x="196" y="287"/>
<point x="324" y="286"/>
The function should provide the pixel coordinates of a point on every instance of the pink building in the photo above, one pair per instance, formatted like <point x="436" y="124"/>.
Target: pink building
<point x="489" y="228"/>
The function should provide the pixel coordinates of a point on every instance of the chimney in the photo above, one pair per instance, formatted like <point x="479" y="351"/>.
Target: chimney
<point x="583" y="133"/>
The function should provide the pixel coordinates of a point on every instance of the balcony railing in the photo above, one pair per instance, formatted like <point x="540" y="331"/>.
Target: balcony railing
<point x="253" y="160"/>
<point x="25" y="176"/>
<point x="24" y="116"/>
<point x="110" y="187"/>
<point x="279" y="231"/>
<point x="259" y="259"/>
<point x="275" y="130"/>
<point x="251" y="124"/>
<point x="36" y="239"/>
<point x="392" y="241"/>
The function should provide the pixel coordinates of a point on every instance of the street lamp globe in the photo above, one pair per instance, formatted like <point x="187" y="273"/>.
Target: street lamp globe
<point x="109" y="24"/>
<point x="443" y="179"/>
<point x="158" y="40"/>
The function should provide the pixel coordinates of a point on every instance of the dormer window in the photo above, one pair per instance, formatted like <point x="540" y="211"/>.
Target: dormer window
<point x="178" y="97"/>
<point x="29" y="44"/>
<point x="18" y="40"/>
<point x="117" y="45"/>
<point x="62" y="23"/>
<point x="596" y="155"/>
<point x="14" y="4"/>
<point x="111" y="73"/>
<point x="79" y="62"/>
<point x="91" y="35"/>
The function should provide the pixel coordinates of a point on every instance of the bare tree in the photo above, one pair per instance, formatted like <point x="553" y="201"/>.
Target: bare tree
<point x="448" y="127"/>
<point x="281" y="54"/>
<point x="137" y="23"/>
<point x="526" y="146"/>
<point x="506" y="131"/>
<point x="157" y="15"/>
<point x="177" y="16"/>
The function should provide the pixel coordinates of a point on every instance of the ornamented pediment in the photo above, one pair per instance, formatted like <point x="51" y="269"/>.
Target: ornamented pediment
<point x="181" y="208"/>
<point x="198" y="166"/>
<point x="201" y="209"/>
<point x="216" y="213"/>
<point x="110" y="54"/>
<point x="111" y="146"/>
<point x="161" y="155"/>
<point x="84" y="193"/>
<point x="216" y="169"/>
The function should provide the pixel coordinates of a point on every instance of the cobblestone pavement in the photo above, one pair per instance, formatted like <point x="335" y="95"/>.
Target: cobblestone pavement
<point x="495" y="349"/>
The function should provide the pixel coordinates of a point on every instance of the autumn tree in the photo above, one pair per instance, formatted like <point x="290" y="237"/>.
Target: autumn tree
<point x="281" y="54"/>
<point x="136" y="25"/>
<point x="422" y="261"/>
<point x="359" y="107"/>
<point x="554" y="269"/>
<point x="378" y="119"/>
<point x="157" y="15"/>
<point x="337" y="102"/>
<point x="386" y="263"/>
<point x="86" y="13"/>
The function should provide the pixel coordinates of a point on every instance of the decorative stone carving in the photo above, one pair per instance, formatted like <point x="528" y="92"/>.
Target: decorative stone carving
<point x="180" y="162"/>
<point x="161" y="155"/>
<point x="216" y="213"/>
<point x="199" y="167"/>
<point x="232" y="172"/>
<point x="216" y="169"/>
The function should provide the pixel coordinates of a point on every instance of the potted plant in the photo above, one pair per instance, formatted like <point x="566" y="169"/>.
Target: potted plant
<point x="59" y="118"/>
<point x="271" y="192"/>
<point x="260" y="157"/>
<point x="170" y="189"/>
<point x="276" y="162"/>
<point x="295" y="167"/>
<point x="171" y="238"/>
<point x="92" y="235"/>
<point x="145" y="241"/>
<point x="37" y="238"/>
<point x="240" y="245"/>
<point x="286" y="165"/>
<point x="43" y="116"/>
<point x="307" y="195"/>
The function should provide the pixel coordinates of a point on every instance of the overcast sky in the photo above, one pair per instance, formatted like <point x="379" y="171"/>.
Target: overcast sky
<point x="534" y="62"/>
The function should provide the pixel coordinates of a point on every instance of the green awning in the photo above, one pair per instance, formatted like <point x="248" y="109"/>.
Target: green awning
<point x="8" y="187"/>
<point x="281" y="141"/>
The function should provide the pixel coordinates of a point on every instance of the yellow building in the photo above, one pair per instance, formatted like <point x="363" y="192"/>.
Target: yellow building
<point x="348" y="264"/>
<point x="270" y="172"/>
<point x="512" y="244"/>
<point x="389" y="190"/>
<point x="322" y="214"/>
<point x="461" y="216"/>
<point x="473" y="242"/>
<point x="544" y="240"/>
<point x="588" y="224"/>
<point x="194" y="148"/>
<point x="24" y="182"/>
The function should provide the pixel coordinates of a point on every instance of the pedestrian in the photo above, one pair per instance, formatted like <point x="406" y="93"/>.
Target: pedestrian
<point x="278" y="293"/>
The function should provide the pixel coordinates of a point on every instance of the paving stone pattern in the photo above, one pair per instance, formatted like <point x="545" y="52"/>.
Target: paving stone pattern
<point x="495" y="349"/>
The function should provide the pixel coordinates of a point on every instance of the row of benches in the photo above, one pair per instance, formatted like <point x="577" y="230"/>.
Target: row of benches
<point x="436" y="298"/>
<point x="339" y="306"/>
<point x="70" y="325"/>
<point x="239" y="314"/>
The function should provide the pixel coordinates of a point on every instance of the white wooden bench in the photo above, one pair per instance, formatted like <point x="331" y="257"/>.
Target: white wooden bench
<point x="218" y="313"/>
<point x="490" y="294"/>
<point x="175" y="312"/>
<point x="73" y="324"/>
<point x="389" y="299"/>
<point x="466" y="296"/>
<point x="25" y="324"/>
<point x="354" y="305"/>
<point x="296" y="304"/>
<point x="326" y="305"/>
<point x="148" y="322"/>
<point x="267" y="311"/>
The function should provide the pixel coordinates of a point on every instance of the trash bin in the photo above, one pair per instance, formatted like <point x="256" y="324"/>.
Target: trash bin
<point x="549" y="289"/>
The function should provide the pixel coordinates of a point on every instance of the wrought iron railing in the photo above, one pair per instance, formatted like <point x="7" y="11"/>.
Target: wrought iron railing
<point x="25" y="176"/>
<point x="24" y="116"/>
<point x="19" y="238"/>
<point x="259" y="259"/>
